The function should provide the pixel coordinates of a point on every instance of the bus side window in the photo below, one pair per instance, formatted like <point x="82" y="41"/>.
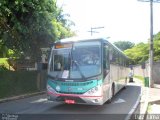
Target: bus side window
<point x="58" y="63"/>
<point x="115" y="56"/>
<point x="106" y="64"/>
<point x="111" y="56"/>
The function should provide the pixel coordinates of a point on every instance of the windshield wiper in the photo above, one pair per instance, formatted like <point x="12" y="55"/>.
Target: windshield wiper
<point x="76" y="63"/>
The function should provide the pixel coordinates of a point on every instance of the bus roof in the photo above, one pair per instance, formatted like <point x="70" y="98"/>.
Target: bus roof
<point x="78" y="39"/>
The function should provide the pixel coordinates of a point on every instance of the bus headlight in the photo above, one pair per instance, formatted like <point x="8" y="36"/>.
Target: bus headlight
<point x="96" y="88"/>
<point x="94" y="91"/>
<point x="50" y="89"/>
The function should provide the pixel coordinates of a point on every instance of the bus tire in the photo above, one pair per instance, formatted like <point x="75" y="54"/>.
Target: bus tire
<point x="112" y="91"/>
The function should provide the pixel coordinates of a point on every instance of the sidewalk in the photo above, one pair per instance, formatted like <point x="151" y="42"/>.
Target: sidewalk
<point x="154" y="101"/>
<point x="150" y="99"/>
<point x="142" y="108"/>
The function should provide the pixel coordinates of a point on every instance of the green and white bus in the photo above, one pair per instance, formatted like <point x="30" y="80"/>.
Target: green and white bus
<point x="85" y="71"/>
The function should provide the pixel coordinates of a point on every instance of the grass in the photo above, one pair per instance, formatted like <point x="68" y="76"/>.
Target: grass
<point x="149" y="108"/>
<point x="139" y="77"/>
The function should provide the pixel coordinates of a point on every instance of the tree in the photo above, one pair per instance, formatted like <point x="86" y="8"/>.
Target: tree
<point x="28" y="25"/>
<point x="139" y="53"/>
<point x="157" y="47"/>
<point x="123" y="45"/>
<point x="3" y="49"/>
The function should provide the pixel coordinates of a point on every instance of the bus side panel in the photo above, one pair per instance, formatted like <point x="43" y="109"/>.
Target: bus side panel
<point x="107" y="87"/>
<point x="114" y="73"/>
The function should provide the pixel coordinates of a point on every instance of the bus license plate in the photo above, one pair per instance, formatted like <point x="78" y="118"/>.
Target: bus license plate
<point x="70" y="101"/>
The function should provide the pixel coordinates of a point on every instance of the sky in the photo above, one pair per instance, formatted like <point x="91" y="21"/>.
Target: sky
<point x="122" y="20"/>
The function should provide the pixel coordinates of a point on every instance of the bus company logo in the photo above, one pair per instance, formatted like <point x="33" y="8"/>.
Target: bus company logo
<point x="69" y="89"/>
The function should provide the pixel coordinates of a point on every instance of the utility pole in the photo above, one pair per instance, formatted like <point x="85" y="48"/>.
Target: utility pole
<point x="151" y="83"/>
<point x="92" y="30"/>
<point x="151" y="54"/>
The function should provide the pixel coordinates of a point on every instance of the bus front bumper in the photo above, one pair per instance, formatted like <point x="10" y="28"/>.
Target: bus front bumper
<point x="78" y="99"/>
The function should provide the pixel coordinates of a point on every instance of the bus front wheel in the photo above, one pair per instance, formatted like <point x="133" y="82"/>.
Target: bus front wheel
<point x="112" y="93"/>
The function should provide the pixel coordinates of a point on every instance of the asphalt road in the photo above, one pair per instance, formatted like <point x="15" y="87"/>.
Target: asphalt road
<point x="38" y="108"/>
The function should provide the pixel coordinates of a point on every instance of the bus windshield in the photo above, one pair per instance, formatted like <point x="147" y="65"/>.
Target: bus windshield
<point x="79" y="61"/>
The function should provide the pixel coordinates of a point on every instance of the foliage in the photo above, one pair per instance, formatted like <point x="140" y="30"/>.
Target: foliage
<point x="4" y="65"/>
<point x="3" y="49"/>
<point x="157" y="47"/>
<point x="28" y="25"/>
<point x="140" y="52"/>
<point x="156" y="37"/>
<point x="3" y="68"/>
<point x="123" y="45"/>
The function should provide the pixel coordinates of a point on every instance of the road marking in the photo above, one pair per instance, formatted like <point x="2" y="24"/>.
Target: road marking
<point x="119" y="101"/>
<point x="40" y="100"/>
<point x="134" y="107"/>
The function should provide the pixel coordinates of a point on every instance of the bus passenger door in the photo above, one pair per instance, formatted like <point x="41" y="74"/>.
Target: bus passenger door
<point x="106" y="72"/>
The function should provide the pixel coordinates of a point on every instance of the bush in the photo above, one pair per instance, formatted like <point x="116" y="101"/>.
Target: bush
<point x="4" y="64"/>
<point x="3" y="68"/>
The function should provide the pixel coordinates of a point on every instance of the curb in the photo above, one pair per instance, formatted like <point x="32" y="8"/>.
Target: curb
<point x="144" y="110"/>
<point x="157" y="86"/>
<point x="21" y="96"/>
<point x="128" y="117"/>
<point x="142" y="102"/>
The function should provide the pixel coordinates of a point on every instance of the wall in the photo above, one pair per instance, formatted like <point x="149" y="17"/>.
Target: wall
<point x="145" y="72"/>
<point x="21" y="82"/>
<point x="156" y="72"/>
